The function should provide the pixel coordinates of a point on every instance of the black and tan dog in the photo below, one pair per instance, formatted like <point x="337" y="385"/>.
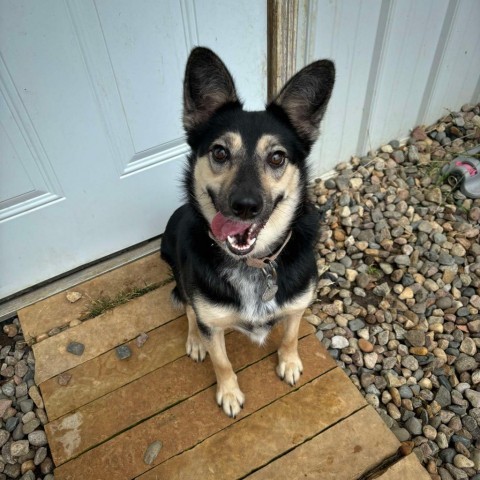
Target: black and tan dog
<point x="241" y="248"/>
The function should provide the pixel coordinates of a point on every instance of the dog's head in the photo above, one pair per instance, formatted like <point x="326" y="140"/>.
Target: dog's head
<point x="247" y="172"/>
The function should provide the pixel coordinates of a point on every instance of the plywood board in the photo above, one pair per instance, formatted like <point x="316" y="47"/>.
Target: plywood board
<point x="57" y="311"/>
<point x="267" y="433"/>
<point x="188" y="423"/>
<point x="345" y="451"/>
<point x="103" y="333"/>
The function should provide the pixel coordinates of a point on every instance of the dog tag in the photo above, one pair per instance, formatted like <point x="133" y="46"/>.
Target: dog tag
<point x="272" y="287"/>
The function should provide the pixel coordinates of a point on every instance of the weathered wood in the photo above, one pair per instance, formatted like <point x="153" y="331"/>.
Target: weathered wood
<point x="103" y="333"/>
<point x="57" y="311"/>
<point x="406" y="468"/>
<point x="346" y="451"/>
<point x="106" y="373"/>
<point x="188" y="423"/>
<point x="97" y="421"/>
<point x="267" y="433"/>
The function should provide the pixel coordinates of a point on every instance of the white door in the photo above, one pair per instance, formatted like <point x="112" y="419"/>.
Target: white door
<point x="91" y="142"/>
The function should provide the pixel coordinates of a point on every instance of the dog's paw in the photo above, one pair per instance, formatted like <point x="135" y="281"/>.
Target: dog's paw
<point x="230" y="399"/>
<point x="290" y="369"/>
<point x="195" y="348"/>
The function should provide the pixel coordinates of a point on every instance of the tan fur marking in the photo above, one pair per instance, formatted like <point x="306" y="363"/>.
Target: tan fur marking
<point x="282" y="216"/>
<point x="206" y="177"/>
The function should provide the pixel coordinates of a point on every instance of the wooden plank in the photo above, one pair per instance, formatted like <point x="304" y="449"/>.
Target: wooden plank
<point x="97" y="421"/>
<point x="407" y="467"/>
<point x="105" y="373"/>
<point x="268" y="433"/>
<point x="57" y="311"/>
<point x="347" y="450"/>
<point x="165" y="344"/>
<point x="103" y="333"/>
<point x="189" y="422"/>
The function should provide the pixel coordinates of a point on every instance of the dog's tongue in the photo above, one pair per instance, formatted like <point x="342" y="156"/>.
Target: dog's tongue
<point x="223" y="227"/>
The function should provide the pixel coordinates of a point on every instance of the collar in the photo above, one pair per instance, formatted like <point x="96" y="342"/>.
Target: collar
<point x="265" y="261"/>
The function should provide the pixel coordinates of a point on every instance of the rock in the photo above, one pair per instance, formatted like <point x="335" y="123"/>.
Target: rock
<point x="473" y="397"/>
<point x="35" y="396"/>
<point x="73" y="297"/>
<point x="123" y="352"/>
<point x="37" y="438"/>
<point x="76" y="348"/>
<point x="370" y="360"/>
<point x="365" y="345"/>
<point x="461" y="461"/>
<point x="468" y="346"/>
<point x="64" y="378"/>
<point x="143" y="337"/>
<point x="410" y="362"/>
<point x="414" y="426"/>
<point x="19" y="448"/>
<point x="416" y="338"/>
<point x="339" y="342"/>
<point x="434" y="195"/>
<point x="151" y="453"/>
<point x="465" y="363"/>
<point x="443" y="397"/>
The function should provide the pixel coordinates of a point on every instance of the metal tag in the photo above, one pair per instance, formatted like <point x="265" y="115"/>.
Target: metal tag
<point x="271" y="281"/>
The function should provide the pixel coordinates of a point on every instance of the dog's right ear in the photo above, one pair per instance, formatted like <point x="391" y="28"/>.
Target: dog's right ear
<point x="208" y="86"/>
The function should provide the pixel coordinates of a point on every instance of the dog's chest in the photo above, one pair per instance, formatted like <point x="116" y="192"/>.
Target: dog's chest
<point x="250" y="285"/>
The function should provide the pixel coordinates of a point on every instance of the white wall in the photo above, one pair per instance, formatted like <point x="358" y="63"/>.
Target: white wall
<point x="400" y="63"/>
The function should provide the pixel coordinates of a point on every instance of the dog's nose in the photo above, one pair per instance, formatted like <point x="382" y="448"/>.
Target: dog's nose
<point x="246" y="206"/>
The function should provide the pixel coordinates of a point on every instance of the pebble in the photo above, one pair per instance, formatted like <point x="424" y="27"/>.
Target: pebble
<point x="152" y="451"/>
<point x="123" y="352"/>
<point x="76" y="348"/>
<point x="408" y="267"/>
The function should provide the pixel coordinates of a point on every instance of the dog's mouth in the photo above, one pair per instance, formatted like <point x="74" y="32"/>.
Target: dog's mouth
<point x="240" y="237"/>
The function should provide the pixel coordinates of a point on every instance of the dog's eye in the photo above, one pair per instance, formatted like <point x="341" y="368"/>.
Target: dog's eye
<point x="219" y="153"/>
<point x="277" y="159"/>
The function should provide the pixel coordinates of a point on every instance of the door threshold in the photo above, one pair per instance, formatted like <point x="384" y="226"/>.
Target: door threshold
<point x="10" y="307"/>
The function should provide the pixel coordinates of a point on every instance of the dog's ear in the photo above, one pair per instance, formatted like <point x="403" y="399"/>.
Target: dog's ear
<point x="208" y="86"/>
<point x="305" y="96"/>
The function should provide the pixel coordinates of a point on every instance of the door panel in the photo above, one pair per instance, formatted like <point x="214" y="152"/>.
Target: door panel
<point x="92" y="146"/>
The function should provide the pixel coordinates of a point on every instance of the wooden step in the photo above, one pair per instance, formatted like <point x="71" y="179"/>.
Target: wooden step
<point x="57" y="311"/>
<point x="97" y="421"/>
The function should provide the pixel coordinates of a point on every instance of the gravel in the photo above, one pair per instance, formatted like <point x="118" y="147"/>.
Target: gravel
<point x="400" y="310"/>
<point x="24" y="452"/>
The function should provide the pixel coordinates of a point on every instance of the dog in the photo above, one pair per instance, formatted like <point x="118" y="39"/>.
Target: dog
<point x="242" y="247"/>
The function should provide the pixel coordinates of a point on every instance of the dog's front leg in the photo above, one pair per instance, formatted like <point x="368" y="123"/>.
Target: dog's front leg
<point x="229" y="395"/>
<point x="195" y="347"/>
<point x="290" y="366"/>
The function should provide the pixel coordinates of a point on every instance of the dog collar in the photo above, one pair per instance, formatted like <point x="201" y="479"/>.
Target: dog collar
<point x="265" y="261"/>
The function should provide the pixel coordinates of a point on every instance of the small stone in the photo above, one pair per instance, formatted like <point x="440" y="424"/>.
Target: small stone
<point x="4" y="436"/>
<point x="365" y="345"/>
<point x="468" y="346"/>
<point x="429" y="432"/>
<point x="37" y="438"/>
<point x="416" y="338"/>
<point x="143" y="337"/>
<point x="123" y="352"/>
<point x="28" y="466"/>
<point x="76" y="348"/>
<point x="63" y="378"/>
<point x="461" y="461"/>
<point x="473" y="397"/>
<point x="19" y="448"/>
<point x="4" y="405"/>
<point x="152" y="451"/>
<point x="35" y="396"/>
<point x="434" y="195"/>
<point x="339" y="342"/>
<point x="10" y="330"/>
<point x="40" y="455"/>
<point x="410" y="362"/>
<point x="73" y="297"/>
<point x="370" y="360"/>
<point x="465" y="363"/>
<point x="414" y="426"/>
<point x="443" y="397"/>
<point x="46" y="466"/>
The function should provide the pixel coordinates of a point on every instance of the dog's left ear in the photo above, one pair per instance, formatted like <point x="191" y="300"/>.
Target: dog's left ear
<point x="305" y="96"/>
<point x="207" y="87"/>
